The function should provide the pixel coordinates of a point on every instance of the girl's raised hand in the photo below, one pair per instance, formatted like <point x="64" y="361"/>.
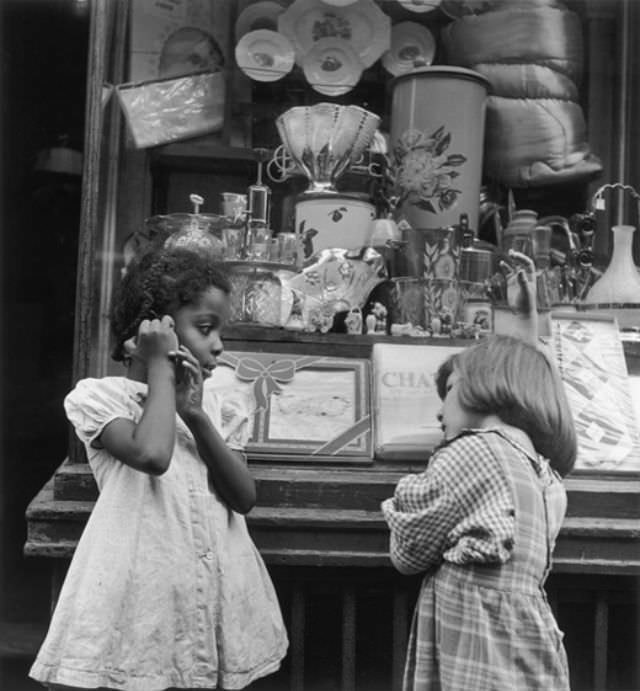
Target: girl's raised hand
<point x="521" y="284"/>
<point x="189" y="380"/>
<point x="156" y="339"/>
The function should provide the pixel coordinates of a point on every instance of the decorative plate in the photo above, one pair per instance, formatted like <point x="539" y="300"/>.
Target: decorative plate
<point x="410" y="41"/>
<point x="265" y="55"/>
<point x="362" y="24"/>
<point x="420" y="5"/>
<point x="260" y="15"/>
<point x="332" y="67"/>
<point x="462" y="8"/>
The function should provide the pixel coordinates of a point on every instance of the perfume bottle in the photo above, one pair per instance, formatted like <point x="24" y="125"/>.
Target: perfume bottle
<point x="259" y="195"/>
<point x="258" y="215"/>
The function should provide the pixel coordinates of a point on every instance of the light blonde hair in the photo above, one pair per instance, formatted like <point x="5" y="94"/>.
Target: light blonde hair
<point x="507" y="377"/>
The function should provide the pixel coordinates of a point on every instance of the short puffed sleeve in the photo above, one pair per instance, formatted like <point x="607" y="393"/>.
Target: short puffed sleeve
<point x="94" y="403"/>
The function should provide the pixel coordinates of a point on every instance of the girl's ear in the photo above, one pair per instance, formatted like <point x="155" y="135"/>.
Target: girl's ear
<point x="129" y="346"/>
<point x="173" y="327"/>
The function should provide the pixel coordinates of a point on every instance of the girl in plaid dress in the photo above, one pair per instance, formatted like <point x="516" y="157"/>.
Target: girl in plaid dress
<point x="481" y="522"/>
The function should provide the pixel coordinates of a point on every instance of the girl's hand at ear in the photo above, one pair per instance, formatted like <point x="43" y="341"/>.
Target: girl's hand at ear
<point x="156" y="339"/>
<point x="189" y="380"/>
<point x="228" y="471"/>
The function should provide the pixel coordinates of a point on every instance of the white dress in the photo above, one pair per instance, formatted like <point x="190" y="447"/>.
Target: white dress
<point x="166" y="588"/>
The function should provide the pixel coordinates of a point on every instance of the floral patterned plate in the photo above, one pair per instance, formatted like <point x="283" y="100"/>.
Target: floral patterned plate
<point x="410" y="41"/>
<point x="362" y="24"/>
<point x="331" y="67"/>
<point x="264" y="55"/>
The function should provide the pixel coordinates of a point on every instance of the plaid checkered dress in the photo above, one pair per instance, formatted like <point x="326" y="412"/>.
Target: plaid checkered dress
<point x="482" y="522"/>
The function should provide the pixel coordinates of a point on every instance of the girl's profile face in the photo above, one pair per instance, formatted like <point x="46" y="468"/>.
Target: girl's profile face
<point x="199" y="325"/>
<point x="453" y="417"/>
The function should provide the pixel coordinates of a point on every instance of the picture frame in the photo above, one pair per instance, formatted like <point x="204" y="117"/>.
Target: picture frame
<point x="590" y="357"/>
<point x="303" y="407"/>
<point x="168" y="39"/>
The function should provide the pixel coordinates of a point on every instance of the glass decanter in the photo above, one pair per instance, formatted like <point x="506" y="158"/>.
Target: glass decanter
<point x="620" y="282"/>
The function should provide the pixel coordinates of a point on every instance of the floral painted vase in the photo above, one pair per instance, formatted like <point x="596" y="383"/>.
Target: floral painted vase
<point x="437" y="138"/>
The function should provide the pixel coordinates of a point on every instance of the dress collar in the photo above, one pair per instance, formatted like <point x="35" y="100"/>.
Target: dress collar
<point x="516" y="437"/>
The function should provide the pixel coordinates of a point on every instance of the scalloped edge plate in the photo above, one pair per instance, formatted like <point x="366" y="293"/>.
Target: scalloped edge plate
<point x="420" y="5"/>
<point x="464" y="8"/>
<point x="332" y="67"/>
<point x="265" y="55"/>
<point x="260" y="15"/>
<point x="409" y="41"/>
<point x="362" y="23"/>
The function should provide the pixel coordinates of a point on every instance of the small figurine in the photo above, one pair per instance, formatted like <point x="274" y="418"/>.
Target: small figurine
<point x="379" y="311"/>
<point x="370" y="324"/>
<point x="353" y="321"/>
<point x="319" y="318"/>
<point x="407" y="329"/>
<point x="296" y="316"/>
<point x="446" y="321"/>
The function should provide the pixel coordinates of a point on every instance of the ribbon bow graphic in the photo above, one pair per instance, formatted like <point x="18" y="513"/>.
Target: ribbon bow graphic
<point x="265" y="373"/>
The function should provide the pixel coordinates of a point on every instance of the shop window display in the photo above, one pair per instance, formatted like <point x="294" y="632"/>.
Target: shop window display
<point x="338" y="119"/>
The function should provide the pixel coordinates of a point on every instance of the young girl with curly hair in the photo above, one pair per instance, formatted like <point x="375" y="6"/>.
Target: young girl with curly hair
<point x="166" y="588"/>
<point x="481" y="523"/>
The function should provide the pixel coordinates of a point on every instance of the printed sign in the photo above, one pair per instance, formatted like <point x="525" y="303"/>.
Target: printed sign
<point x="406" y="402"/>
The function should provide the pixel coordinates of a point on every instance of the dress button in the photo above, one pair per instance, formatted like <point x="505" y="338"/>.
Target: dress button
<point x="208" y="556"/>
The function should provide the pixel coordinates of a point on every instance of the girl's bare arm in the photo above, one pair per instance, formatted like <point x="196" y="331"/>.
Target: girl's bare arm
<point x="148" y="445"/>
<point x="227" y="468"/>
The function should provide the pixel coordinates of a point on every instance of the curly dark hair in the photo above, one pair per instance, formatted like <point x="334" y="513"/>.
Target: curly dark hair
<point x="156" y="283"/>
